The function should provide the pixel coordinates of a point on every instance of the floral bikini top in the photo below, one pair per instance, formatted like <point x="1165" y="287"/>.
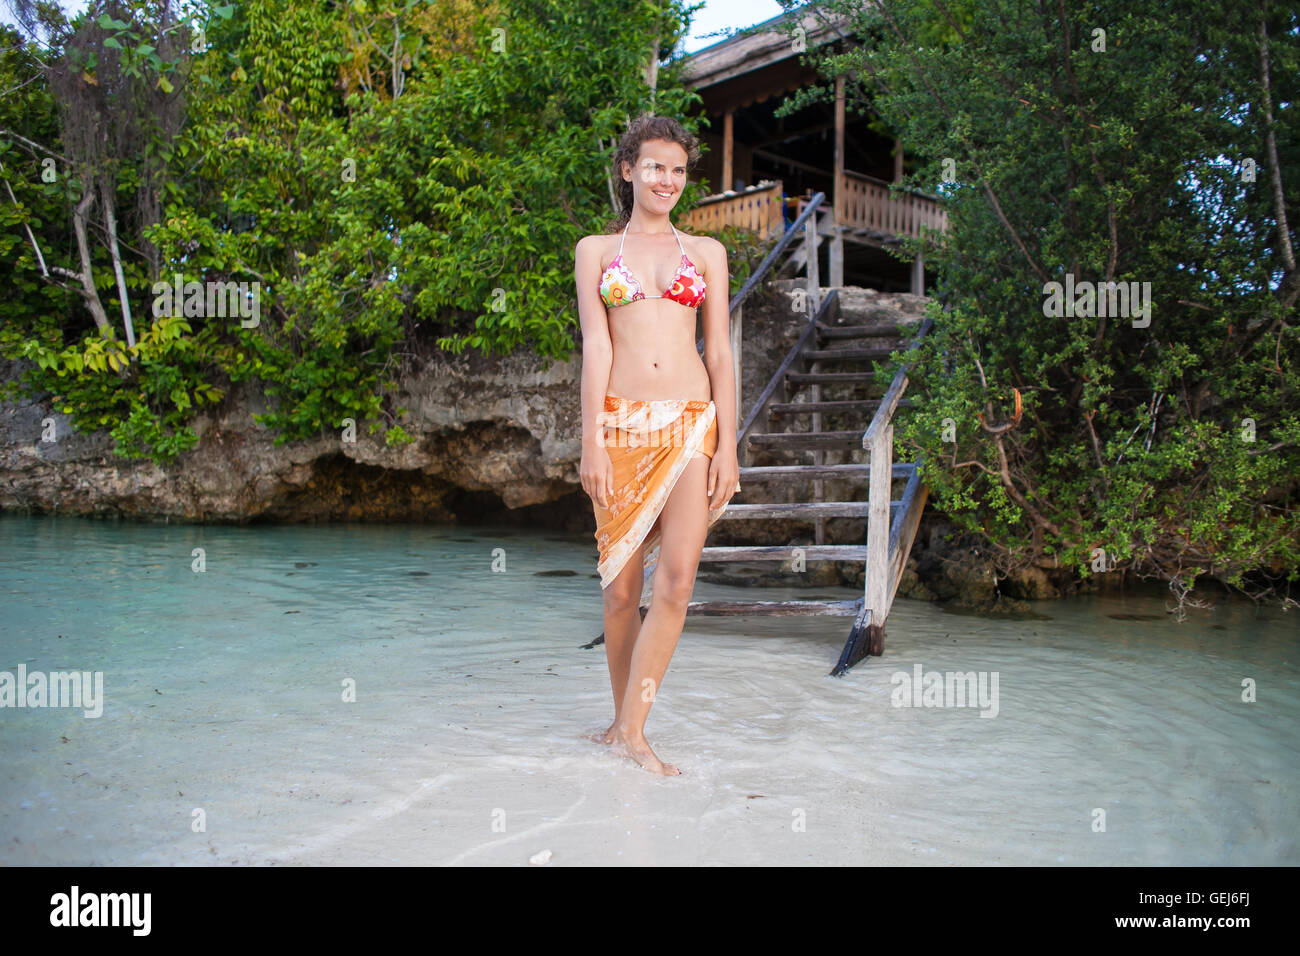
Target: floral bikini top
<point x="619" y="287"/>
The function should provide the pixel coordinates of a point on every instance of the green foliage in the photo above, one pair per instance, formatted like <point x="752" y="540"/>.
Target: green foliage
<point x="142" y="394"/>
<point x="1125" y="163"/>
<point x="31" y="307"/>
<point x="436" y="209"/>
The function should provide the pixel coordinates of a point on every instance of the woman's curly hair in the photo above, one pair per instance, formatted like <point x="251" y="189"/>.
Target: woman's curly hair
<point x="644" y="127"/>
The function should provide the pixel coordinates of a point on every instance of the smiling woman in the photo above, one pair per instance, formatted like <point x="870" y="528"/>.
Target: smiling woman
<point x="658" y="454"/>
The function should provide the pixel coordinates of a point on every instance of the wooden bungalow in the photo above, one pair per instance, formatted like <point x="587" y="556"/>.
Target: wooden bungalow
<point x="762" y="169"/>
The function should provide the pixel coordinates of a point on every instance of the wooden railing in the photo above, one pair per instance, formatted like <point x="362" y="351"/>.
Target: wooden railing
<point x="864" y="202"/>
<point x="823" y="315"/>
<point x="861" y="203"/>
<point x="757" y="210"/>
<point x="885" y="558"/>
<point x="806" y="223"/>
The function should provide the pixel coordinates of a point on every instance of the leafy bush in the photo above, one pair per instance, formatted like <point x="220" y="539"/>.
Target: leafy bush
<point x="1100" y="143"/>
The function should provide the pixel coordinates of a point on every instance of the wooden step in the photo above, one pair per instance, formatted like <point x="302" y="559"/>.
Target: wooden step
<point x="830" y="378"/>
<point x="790" y="441"/>
<point x="901" y="469"/>
<point x="784" y="552"/>
<point x="863" y="354"/>
<point x="861" y="405"/>
<point x="801" y="510"/>
<point x="779" y="608"/>
<point x="872" y="331"/>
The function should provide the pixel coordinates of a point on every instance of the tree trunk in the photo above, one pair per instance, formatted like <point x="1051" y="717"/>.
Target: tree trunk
<point x="1290" y="288"/>
<point x="87" y="275"/>
<point x="652" y="70"/>
<point x="110" y="224"/>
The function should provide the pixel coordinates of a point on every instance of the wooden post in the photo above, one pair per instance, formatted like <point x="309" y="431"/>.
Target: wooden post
<point x="819" y="454"/>
<point x="836" y="256"/>
<point x="728" y="143"/>
<point x="898" y="160"/>
<point x="876" y="591"/>
<point x="810" y="248"/>
<point x="918" y="275"/>
<point x="737" y="325"/>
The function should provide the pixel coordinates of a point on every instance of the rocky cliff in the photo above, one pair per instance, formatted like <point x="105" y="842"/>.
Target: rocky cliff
<point x="498" y="440"/>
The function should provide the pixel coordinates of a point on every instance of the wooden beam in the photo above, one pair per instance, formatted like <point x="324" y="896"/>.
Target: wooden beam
<point x="837" y="198"/>
<point x="835" y="259"/>
<point x="757" y="87"/>
<point x="790" y="136"/>
<point x="856" y="647"/>
<point x="778" y="158"/>
<point x="907" y="517"/>
<point x="728" y="145"/>
<point x="884" y="417"/>
<point x="737" y="339"/>
<point x="810" y="242"/>
<point x="876" y="587"/>
<point x="782" y="608"/>
<point x="786" y="553"/>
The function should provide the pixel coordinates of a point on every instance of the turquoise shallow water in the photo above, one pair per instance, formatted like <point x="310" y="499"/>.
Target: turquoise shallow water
<point x="1117" y="736"/>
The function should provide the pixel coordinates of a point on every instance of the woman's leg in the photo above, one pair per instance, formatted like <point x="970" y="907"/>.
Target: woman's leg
<point x="684" y="525"/>
<point x="622" y="601"/>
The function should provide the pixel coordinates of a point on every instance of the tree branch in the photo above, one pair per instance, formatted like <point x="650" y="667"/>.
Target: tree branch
<point x="26" y="225"/>
<point x="1270" y="152"/>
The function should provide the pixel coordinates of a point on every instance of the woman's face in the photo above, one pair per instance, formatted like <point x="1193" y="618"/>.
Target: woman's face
<point x="659" y="175"/>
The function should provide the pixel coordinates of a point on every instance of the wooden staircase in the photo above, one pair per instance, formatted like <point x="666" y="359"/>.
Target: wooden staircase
<point x="794" y="396"/>
<point x="785" y="432"/>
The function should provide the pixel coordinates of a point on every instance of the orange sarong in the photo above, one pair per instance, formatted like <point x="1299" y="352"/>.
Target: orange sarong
<point x="649" y="443"/>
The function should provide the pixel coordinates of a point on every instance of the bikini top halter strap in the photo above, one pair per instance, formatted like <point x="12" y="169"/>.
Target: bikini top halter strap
<point x="670" y="226"/>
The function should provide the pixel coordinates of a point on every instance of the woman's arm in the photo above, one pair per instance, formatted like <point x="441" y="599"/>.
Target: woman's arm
<point x="597" y="350"/>
<point x="717" y="340"/>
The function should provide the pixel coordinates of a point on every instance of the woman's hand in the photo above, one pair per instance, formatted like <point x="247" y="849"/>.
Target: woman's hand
<point x="724" y="477"/>
<point x="597" y="474"/>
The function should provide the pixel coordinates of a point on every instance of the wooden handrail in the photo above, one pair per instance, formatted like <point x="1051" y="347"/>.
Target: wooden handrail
<point x="755" y="208"/>
<point x="735" y="326"/>
<point x="870" y="179"/>
<point x="884" y="535"/>
<point x="831" y="302"/>
<point x="889" y="403"/>
<point x="769" y="260"/>
<point x="882" y="182"/>
<point x="886" y="211"/>
<point x="733" y="194"/>
<point x="904" y="508"/>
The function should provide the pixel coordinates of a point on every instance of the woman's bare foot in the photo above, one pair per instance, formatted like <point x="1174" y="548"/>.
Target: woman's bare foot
<point x="639" y="750"/>
<point x="605" y="736"/>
